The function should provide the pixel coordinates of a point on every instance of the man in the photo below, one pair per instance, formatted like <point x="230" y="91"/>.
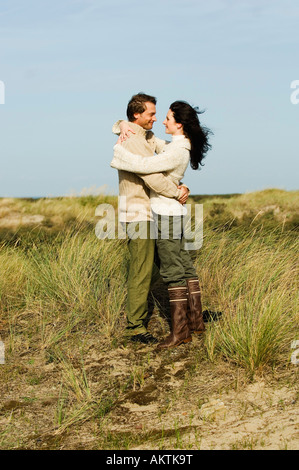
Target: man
<point x="135" y="212"/>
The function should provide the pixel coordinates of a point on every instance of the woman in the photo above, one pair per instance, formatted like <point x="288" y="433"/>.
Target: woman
<point x="189" y="143"/>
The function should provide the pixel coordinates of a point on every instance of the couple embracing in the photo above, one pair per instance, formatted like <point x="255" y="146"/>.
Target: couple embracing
<point x="150" y="173"/>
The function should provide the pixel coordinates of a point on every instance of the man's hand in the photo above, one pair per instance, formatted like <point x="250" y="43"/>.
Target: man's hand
<point x="184" y="194"/>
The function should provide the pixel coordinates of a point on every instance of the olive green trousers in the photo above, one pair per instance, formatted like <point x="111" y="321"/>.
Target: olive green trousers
<point x="143" y="273"/>
<point x="174" y="264"/>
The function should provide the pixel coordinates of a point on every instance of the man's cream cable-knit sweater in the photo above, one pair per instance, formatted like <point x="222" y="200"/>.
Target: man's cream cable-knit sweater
<point x="173" y="161"/>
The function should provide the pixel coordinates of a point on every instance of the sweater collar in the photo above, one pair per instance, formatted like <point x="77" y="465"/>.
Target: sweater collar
<point x="138" y="129"/>
<point x="182" y="141"/>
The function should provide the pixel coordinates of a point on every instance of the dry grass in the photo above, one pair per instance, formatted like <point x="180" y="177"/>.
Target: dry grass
<point x="70" y="381"/>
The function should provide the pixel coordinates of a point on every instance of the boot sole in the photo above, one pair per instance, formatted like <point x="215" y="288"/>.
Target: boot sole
<point x="184" y="341"/>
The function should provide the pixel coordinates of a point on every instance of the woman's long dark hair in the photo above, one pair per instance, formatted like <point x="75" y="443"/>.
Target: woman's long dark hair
<point x="186" y="115"/>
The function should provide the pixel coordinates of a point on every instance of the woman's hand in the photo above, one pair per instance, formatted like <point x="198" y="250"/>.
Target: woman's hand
<point x="125" y="130"/>
<point x="184" y="194"/>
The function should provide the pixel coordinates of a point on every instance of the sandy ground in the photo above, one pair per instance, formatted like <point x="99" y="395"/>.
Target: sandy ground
<point x="186" y="412"/>
<point x="171" y="401"/>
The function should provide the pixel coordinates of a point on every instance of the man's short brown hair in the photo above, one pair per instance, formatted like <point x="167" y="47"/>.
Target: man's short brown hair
<point x="137" y="104"/>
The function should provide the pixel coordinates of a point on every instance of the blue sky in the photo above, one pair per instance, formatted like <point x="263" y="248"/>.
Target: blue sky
<point x="70" y="66"/>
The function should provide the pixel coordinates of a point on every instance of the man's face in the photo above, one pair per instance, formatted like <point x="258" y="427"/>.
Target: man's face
<point x="147" y="118"/>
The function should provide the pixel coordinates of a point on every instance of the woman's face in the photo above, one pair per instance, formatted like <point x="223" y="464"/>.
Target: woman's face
<point x="171" y="126"/>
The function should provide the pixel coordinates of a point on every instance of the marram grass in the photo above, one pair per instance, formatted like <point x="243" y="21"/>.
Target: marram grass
<point x="255" y="280"/>
<point x="60" y="279"/>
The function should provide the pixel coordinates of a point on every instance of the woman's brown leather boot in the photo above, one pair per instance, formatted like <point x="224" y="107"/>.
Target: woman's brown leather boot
<point x="180" y="332"/>
<point x="194" y="313"/>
